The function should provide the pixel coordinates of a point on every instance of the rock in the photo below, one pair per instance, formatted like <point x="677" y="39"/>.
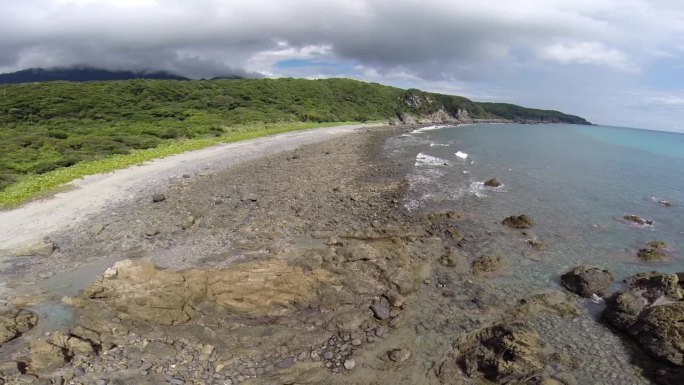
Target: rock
<point x="399" y="355"/>
<point x="285" y="363"/>
<point x="381" y="308"/>
<point x="167" y="297"/>
<point x="449" y="259"/>
<point x="503" y="353"/>
<point x="46" y="357"/>
<point x="187" y="222"/>
<point x="38" y="248"/>
<point x="492" y="183"/>
<point x="349" y="364"/>
<point x="660" y="245"/>
<point x="14" y="323"/>
<point x="159" y="350"/>
<point x="651" y="311"/>
<point x="638" y="220"/>
<point x="518" y="222"/>
<point x="356" y="342"/>
<point x="158" y="197"/>
<point x="487" y="263"/>
<point x="395" y="300"/>
<point x="252" y="197"/>
<point x="651" y="255"/>
<point x="587" y="280"/>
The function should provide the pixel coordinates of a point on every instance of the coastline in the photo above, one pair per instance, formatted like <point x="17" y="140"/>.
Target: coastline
<point x="263" y="274"/>
<point x="90" y="195"/>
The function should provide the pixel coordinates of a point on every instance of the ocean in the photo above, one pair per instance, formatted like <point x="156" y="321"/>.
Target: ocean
<point x="577" y="183"/>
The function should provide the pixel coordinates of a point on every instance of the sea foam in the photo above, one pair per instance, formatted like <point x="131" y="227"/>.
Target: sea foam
<point x="461" y="154"/>
<point x="429" y="160"/>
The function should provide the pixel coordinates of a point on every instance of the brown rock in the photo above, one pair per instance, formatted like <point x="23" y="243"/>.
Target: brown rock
<point x="399" y="355"/>
<point x="46" y="357"/>
<point x="487" y="264"/>
<point x="518" y="222"/>
<point x="168" y="297"/>
<point x="14" y="323"/>
<point x="503" y="353"/>
<point x="492" y="183"/>
<point x="587" y="280"/>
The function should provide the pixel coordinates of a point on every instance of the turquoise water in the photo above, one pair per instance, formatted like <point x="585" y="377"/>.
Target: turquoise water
<point x="577" y="183"/>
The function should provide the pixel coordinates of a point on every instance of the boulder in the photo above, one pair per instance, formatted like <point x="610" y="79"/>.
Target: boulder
<point x="587" y="280"/>
<point x="487" y="264"/>
<point x="492" y="183"/>
<point x="46" y="357"/>
<point x="651" y="311"/>
<point x="638" y="220"/>
<point x="168" y="297"/>
<point x="651" y="255"/>
<point x="40" y="248"/>
<point x="518" y="222"/>
<point x="14" y="323"/>
<point x="503" y="353"/>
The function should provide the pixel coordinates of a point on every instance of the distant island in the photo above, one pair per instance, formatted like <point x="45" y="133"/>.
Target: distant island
<point x="45" y="126"/>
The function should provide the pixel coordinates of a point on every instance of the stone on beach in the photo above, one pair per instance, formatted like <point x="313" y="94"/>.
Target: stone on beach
<point x="587" y="280"/>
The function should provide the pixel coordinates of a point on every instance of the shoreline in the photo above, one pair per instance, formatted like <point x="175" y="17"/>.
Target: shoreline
<point x="90" y="195"/>
<point x="263" y="274"/>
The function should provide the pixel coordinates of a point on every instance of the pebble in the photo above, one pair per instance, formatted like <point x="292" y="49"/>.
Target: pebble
<point x="356" y="342"/>
<point x="328" y="355"/>
<point x="399" y="355"/>
<point x="349" y="364"/>
<point x="302" y="356"/>
<point x="159" y="197"/>
<point x="285" y="363"/>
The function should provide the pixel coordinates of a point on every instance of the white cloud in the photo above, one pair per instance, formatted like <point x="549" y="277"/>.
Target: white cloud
<point x="588" y="53"/>
<point x="424" y="43"/>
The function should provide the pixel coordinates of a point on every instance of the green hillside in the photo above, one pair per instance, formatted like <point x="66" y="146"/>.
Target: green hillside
<point x="47" y="126"/>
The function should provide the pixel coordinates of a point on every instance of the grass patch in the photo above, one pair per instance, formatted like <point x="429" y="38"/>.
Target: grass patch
<point x="34" y="186"/>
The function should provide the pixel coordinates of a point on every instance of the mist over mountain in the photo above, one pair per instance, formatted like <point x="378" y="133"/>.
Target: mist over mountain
<point x="81" y="74"/>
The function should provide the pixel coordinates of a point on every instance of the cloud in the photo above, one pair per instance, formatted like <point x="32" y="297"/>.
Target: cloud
<point x="588" y="53"/>
<point x="444" y="44"/>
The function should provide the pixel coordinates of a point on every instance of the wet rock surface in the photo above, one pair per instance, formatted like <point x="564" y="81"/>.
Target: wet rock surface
<point x="518" y="222"/>
<point x="652" y="312"/>
<point x="263" y="274"/>
<point x="587" y="280"/>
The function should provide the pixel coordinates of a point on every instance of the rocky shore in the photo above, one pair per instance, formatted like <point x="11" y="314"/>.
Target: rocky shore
<point x="300" y="268"/>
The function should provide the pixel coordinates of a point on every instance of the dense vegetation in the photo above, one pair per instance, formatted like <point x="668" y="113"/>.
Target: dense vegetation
<point x="518" y="113"/>
<point x="80" y="74"/>
<point x="47" y="126"/>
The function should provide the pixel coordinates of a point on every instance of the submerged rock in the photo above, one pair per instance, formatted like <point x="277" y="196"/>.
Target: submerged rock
<point x="587" y="280"/>
<point x="487" y="263"/>
<point x="503" y="353"/>
<point x="492" y="183"/>
<point x="652" y="312"/>
<point x="638" y="220"/>
<point x="518" y="222"/>
<point x="652" y="255"/>
<point x="14" y="323"/>
<point x="46" y="357"/>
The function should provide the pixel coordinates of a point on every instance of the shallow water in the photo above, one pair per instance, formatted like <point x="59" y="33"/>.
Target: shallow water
<point x="577" y="182"/>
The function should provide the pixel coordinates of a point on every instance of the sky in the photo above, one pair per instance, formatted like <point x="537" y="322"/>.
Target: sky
<point x="614" y="62"/>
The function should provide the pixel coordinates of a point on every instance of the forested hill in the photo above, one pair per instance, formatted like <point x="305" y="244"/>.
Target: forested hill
<point x="44" y="126"/>
<point x="80" y="74"/>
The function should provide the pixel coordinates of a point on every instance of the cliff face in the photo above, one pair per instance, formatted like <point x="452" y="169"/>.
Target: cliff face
<point x="419" y="107"/>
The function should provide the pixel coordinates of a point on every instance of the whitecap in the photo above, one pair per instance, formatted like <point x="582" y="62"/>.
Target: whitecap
<point x="428" y="128"/>
<point x="461" y="154"/>
<point x="429" y="160"/>
<point x="433" y="144"/>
